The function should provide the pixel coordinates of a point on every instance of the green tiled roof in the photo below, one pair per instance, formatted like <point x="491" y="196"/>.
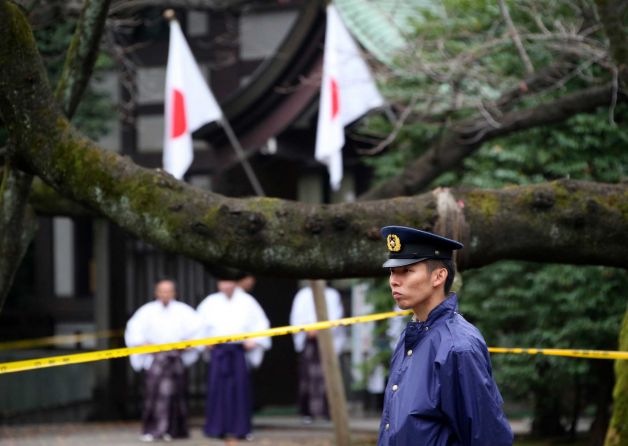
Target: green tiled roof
<point x="381" y="26"/>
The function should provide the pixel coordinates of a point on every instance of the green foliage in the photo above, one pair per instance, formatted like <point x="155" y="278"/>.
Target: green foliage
<point x="518" y="304"/>
<point x="586" y="147"/>
<point x="53" y="36"/>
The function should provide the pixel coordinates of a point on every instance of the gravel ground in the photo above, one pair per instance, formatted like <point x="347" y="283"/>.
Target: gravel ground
<point x="275" y="431"/>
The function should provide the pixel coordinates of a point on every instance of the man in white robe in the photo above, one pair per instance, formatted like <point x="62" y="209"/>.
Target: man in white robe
<point x="229" y="402"/>
<point x="312" y="397"/>
<point x="162" y="321"/>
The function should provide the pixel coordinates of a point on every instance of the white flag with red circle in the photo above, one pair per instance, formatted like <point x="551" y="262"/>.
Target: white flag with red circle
<point x="189" y="104"/>
<point x="347" y="92"/>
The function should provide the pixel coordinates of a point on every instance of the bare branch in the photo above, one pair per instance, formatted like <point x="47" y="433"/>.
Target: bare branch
<point x="82" y="55"/>
<point x="399" y="123"/>
<point x="465" y="137"/>
<point x="611" y="109"/>
<point x="514" y="35"/>
<point x="489" y="118"/>
<point x="611" y="14"/>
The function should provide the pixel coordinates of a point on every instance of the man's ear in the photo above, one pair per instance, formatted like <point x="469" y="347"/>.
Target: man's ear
<point x="439" y="276"/>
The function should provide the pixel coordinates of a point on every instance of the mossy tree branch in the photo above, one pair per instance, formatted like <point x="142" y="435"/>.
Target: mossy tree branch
<point x="567" y="221"/>
<point x="18" y="223"/>
<point x="47" y="202"/>
<point x="82" y="55"/>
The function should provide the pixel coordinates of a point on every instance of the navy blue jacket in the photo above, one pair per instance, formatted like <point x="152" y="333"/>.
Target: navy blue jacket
<point x="440" y="390"/>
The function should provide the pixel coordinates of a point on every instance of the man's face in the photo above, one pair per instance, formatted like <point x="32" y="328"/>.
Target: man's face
<point x="247" y="283"/>
<point x="165" y="291"/>
<point x="227" y="287"/>
<point x="411" y="285"/>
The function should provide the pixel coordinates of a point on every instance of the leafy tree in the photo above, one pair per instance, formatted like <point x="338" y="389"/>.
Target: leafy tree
<point x="553" y="306"/>
<point x="532" y="305"/>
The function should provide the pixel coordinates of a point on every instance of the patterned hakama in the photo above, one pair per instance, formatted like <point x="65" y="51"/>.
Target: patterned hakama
<point x="312" y="398"/>
<point x="165" y="410"/>
<point x="229" y="408"/>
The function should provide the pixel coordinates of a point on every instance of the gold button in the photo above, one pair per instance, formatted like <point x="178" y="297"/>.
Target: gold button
<point x="409" y="352"/>
<point x="387" y="426"/>
<point x="395" y="387"/>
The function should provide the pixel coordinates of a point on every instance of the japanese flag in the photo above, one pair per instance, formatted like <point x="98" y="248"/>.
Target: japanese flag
<point x="189" y="104"/>
<point x="347" y="92"/>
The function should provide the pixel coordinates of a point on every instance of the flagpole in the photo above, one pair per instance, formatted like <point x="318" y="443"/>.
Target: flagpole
<point x="170" y="15"/>
<point x="239" y="150"/>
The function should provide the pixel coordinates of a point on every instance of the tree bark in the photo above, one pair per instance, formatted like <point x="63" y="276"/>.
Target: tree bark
<point x="48" y="202"/>
<point x="18" y="224"/>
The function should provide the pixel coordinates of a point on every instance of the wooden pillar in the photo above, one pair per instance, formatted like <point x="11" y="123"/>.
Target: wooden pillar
<point x="331" y="369"/>
<point x="103" y="407"/>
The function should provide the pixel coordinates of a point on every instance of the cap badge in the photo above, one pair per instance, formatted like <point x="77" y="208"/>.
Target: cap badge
<point x="393" y="243"/>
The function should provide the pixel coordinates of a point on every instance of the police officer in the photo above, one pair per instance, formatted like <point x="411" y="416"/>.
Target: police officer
<point x="440" y="390"/>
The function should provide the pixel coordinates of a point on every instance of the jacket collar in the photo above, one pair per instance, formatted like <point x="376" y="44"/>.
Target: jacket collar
<point x="450" y="304"/>
<point x="417" y="330"/>
<point x="446" y="307"/>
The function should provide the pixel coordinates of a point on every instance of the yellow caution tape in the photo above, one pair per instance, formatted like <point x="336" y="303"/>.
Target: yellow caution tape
<point x="59" y="339"/>
<point x="572" y="353"/>
<point x="78" y="358"/>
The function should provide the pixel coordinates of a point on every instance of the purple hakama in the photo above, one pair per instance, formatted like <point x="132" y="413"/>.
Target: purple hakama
<point x="229" y="408"/>
<point x="312" y="397"/>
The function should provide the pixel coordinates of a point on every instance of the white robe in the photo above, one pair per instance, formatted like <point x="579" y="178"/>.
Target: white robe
<point x="304" y="312"/>
<point x="241" y="313"/>
<point x="154" y="323"/>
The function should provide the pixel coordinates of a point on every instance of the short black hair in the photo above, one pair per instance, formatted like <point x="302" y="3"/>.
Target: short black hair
<point x="449" y="265"/>
<point x="167" y="279"/>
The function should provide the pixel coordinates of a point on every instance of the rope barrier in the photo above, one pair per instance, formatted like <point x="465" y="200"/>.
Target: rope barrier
<point x="101" y="355"/>
<point x="59" y="339"/>
<point x="78" y="358"/>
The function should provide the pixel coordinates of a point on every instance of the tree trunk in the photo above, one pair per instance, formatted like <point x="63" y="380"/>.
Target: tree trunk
<point x="18" y="225"/>
<point x="602" y="398"/>
<point x="547" y="414"/>
<point x="334" y="385"/>
<point x="617" y="434"/>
